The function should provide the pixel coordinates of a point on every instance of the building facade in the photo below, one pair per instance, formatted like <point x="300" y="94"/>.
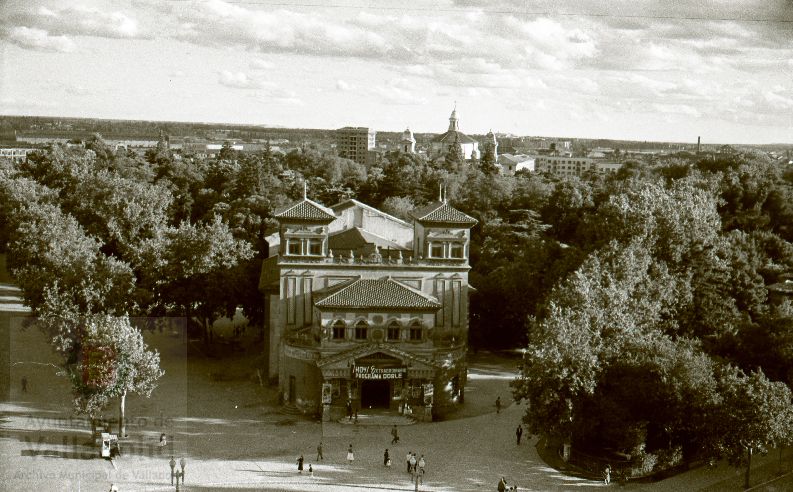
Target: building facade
<point x="354" y="143"/>
<point x="574" y="166"/>
<point x="367" y="309"/>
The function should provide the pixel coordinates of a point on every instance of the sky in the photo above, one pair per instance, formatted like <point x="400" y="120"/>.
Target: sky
<point x="637" y="70"/>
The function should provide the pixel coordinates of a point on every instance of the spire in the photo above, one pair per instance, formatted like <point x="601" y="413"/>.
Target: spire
<point x="440" y="192"/>
<point x="453" y="123"/>
<point x="305" y="190"/>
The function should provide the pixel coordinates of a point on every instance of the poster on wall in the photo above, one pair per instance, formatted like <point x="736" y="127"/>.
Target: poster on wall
<point x="428" y="391"/>
<point x="327" y="393"/>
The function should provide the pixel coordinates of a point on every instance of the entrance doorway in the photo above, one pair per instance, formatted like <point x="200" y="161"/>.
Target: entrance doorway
<point x="375" y="394"/>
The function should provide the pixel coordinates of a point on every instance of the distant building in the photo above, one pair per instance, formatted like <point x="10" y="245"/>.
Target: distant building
<point x="407" y="143"/>
<point x="442" y="143"/>
<point x="354" y="143"/>
<point x="574" y="166"/>
<point x="15" y="154"/>
<point x="512" y="163"/>
<point x="366" y="308"/>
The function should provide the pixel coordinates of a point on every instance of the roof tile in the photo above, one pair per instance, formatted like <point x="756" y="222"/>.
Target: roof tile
<point x="374" y="293"/>
<point x="442" y="212"/>
<point x="307" y="210"/>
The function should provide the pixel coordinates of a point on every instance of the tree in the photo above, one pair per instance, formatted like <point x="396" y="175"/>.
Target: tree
<point x="454" y="159"/>
<point x="488" y="163"/>
<point x="755" y="414"/>
<point x="107" y="359"/>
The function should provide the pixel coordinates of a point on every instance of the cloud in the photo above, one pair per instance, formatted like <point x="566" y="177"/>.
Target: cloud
<point x="343" y="86"/>
<point x="238" y="80"/>
<point x="37" y="39"/>
<point x="76" y="21"/>
<point x="259" y="64"/>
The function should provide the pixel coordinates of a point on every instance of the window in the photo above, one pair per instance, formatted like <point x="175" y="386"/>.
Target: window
<point x="393" y="331"/>
<point x="415" y="331"/>
<point x="457" y="250"/>
<point x="293" y="247"/>
<point x="315" y="247"/>
<point x="338" y="329"/>
<point x="361" y="329"/>
<point x="436" y="250"/>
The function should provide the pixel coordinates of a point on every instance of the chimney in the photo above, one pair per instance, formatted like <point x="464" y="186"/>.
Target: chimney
<point x="698" y="144"/>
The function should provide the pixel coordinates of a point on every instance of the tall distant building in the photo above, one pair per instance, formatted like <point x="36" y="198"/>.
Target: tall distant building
<point x="354" y="143"/>
<point x="441" y="144"/>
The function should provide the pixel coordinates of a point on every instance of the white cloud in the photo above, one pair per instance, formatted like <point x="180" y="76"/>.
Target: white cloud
<point x="38" y="39"/>
<point x="259" y="64"/>
<point x="78" y="21"/>
<point x="343" y="85"/>
<point x="238" y="80"/>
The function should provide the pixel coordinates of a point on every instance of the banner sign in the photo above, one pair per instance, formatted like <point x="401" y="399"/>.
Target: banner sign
<point x="373" y="372"/>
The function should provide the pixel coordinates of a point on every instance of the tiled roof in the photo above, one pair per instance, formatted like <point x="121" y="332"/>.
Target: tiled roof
<point x="357" y="238"/>
<point x="442" y="212"/>
<point x="306" y="210"/>
<point x="374" y="293"/>
<point x="448" y="137"/>
<point x="364" y="349"/>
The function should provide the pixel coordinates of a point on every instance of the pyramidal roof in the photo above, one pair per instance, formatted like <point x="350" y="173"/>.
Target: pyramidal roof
<point x="442" y="212"/>
<point x="307" y="210"/>
<point x="374" y="293"/>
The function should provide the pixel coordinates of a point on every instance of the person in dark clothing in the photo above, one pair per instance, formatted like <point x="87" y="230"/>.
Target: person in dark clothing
<point x="385" y="458"/>
<point x="502" y="485"/>
<point x="498" y="405"/>
<point x="349" y="410"/>
<point x="394" y="434"/>
<point x="519" y="433"/>
<point x="300" y="464"/>
<point x="319" y="451"/>
<point x="24" y="384"/>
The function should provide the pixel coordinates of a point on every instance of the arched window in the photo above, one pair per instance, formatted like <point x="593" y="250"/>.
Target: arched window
<point x="339" y="327"/>
<point x="393" y="332"/>
<point x="415" y="330"/>
<point x="361" y="330"/>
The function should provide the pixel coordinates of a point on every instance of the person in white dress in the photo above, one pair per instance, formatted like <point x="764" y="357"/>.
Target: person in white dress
<point x="350" y="455"/>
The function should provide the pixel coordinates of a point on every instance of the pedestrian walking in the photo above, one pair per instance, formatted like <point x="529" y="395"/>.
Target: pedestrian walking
<point x="413" y="463"/>
<point x="502" y="485"/>
<point x="319" y="451"/>
<point x="607" y="475"/>
<point x="350" y="455"/>
<point x="385" y="457"/>
<point x="422" y="464"/>
<point x="407" y="459"/>
<point x="182" y="464"/>
<point x="519" y="433"/>
<point x="173" y="465"/>
<point x="498" y="405"/>
<point x="349" y="410"/>
<point x="310" y="471"/>
<point x="394" y="434"/>
<point x="24" y="384"/>
<point x="300" y="464"/>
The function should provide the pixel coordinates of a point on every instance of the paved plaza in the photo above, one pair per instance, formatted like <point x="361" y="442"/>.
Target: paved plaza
<point x="233" y="435"/>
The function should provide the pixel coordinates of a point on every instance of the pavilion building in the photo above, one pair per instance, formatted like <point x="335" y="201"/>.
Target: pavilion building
<point x="366" y="308"/>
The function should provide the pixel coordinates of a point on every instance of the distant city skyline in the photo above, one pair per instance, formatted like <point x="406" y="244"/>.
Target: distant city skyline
<point x="622" y="70"/>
